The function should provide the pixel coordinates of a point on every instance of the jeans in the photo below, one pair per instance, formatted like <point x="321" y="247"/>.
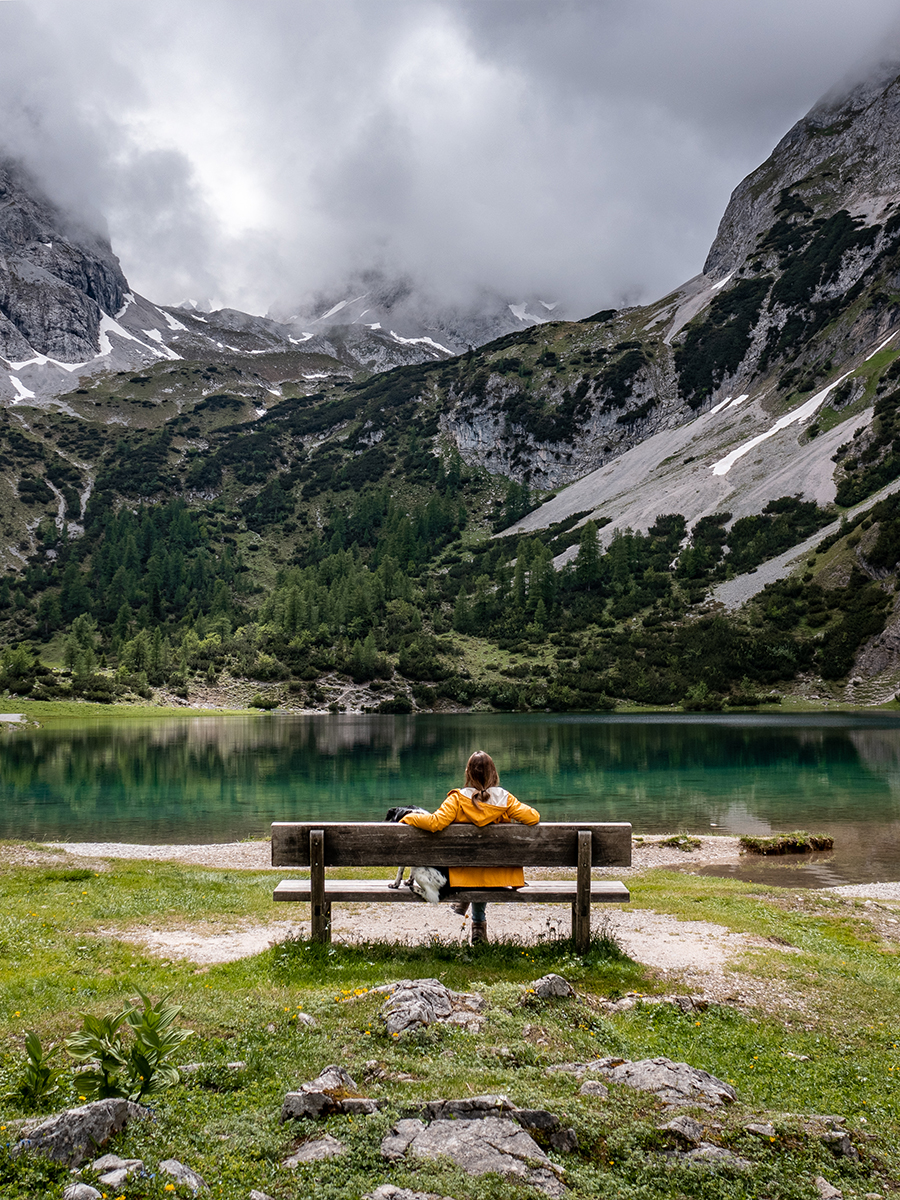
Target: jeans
<point x="479" y="912"/>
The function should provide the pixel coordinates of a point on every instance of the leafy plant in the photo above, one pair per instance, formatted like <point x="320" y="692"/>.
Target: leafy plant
<point x="798" y="842"/>
<point x="39" y="1079"/>
<point x="130" y="1070"/>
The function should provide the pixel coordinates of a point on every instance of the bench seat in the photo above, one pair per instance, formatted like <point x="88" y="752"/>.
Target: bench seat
<point x="564" y="891"/>
<point x="323" y="844"/>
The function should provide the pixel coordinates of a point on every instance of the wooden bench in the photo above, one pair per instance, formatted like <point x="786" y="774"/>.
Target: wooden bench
<point x="321" y="844"/>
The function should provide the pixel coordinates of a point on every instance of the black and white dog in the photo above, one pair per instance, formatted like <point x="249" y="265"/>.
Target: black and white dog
<point x="430" y="883"/>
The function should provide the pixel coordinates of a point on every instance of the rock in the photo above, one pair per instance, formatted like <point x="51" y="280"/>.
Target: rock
<point x="537" y="1118"/>
<point x="564" y="1140"/>
<point x="470" y="1106"/>
<point x="491" y="1144"/>
<point x="113" y="1171"/>
<point x="257" y="1195"/>
<point x="323" y="1147"/>
<point x="322" y="1096"/>
<point x="396" y="1143"/>
<point x="764" y="1131"/>
<point x="550" y="987"/>
<point x="826" y="1190"/>
<point x="388" y="1191"/>
<point x="838" y="1142"/>
<point x="415" y="1003"/>
<point x="182" y="1174"/>
<point x="69" y="1137"/>
<point x="685" y="1128"/>
<point x="303" y="1018"/>
<point x="359" y="1106"/>
<point x="81" y="1191"/>
<point x="597" y="1066"/>
<point x="672" y="1082"/>
<point x="706" y="1152"/>
<point x="593" y="1087"/>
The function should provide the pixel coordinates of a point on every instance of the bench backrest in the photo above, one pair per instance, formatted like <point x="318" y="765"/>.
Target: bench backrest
<point x="381" y="844"/>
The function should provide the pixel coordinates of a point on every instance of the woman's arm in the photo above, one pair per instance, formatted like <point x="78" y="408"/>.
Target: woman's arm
<point x="522" y="812"/>
<point x="436" y="821"/>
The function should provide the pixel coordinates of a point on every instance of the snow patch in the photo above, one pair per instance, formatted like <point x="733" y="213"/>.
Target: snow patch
<point x="304" y="337"/>
<point x="882" y="346"/>
<point x="129" y="300"/>
<point x="22" y="392"/>
<point x="170" y="321"/>
<point x="521" y="313"/>
<point x="340" y="304"/>
<point x="724" y="465"/>
<point x="549" y="307"/>
<point x="374" y="325"/>
<point x="722" y="404"/>
<point x="715" y="287"/>
<point x="419" y="341"/>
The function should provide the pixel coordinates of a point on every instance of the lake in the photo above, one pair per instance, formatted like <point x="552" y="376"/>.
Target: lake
<point x="221" y="778"/>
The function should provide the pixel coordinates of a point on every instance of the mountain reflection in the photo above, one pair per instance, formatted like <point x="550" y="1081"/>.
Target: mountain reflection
<point x="219" y="778"/>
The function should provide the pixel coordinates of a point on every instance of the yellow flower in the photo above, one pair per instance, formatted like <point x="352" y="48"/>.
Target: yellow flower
<point x="170" y="1187"/>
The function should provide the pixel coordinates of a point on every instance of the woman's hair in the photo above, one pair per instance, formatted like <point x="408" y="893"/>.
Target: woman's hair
<point x="481" y="774"/>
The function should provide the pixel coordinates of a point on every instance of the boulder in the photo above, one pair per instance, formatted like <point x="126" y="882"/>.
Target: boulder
<point x="469" y="1106"/>
<point x="182" y="1174"/>
<point x="113" y="1170"/>
<point x="550" y="987"/>
<point x="81" y="1191"/>
<point x="593" y="1087"/>
<point x="396" y="1143"/>
<point x="388" y="1191"/>
<point x="480" y="1146"/>
<point x="706" y="1152"/>
<point x="672" y="1082"/>
<point x="415" y="1003"/>
<point x="68" y="1137"/>
<point x="764" y="1130"/>
<point x="315" y="1151"/>
<point x="686" y="1129"/>
<point x="257" y="1195"/>
<point x="826" y="1190"/>
<point x="330" y="1092"/>
<point x="838" y="1142"/>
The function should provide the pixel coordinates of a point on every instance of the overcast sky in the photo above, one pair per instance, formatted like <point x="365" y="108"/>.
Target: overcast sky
<point x="255" y="151"/>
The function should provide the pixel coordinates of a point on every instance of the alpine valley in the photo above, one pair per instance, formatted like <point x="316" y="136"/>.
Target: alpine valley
<point x="691" y="503"/>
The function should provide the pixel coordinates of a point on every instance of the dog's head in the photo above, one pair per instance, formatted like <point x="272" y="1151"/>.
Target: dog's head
<point x="396" y="814"/>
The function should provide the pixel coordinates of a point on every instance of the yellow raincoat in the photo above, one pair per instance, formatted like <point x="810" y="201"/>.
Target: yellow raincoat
<point x="459" y="806"/>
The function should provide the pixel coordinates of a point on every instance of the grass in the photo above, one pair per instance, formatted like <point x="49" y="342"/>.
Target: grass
<point x="833" y="1050"/>
<point x="798" y="842"/>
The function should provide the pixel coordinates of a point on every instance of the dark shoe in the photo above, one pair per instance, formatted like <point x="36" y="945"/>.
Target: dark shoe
<point x="461" y="907"/>
<point x="479" y="931"/>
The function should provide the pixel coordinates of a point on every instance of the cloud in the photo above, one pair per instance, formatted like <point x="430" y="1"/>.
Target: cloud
<point x="583" y="150"/>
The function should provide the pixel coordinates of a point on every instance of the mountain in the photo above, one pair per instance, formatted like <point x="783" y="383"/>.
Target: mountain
<point x="687" y="502"/>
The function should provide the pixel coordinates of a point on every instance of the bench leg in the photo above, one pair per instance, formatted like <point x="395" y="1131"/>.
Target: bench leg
<point x="320" y="909"/>
<point x="581" y="909"/>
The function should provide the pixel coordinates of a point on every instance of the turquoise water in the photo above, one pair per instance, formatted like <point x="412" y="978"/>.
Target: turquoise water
<point x="209" y="778"/>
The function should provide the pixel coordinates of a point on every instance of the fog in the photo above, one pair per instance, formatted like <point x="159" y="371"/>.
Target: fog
<point x="258" y="154"/>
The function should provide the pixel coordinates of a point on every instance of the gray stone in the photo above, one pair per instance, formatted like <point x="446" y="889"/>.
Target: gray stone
<point x="359" y="1106"/>
<point x="388" y="1191"/>
<point x="396" y="1143"/>
<point x="826" y="1190"/>
<point x="766" y="1130"/>
<point x="685" y="1128"/>
<point x="257" y="1195"/>
<point x="468" y="1106"/>
<point x="597" y="1066"/>
<point x="182" y="1174"/>
<point x="491" y="1144"/>
<point x="303" y="1018"/>
<point x="69" y="1137"/>
<point x="320" y="1097"/>
<point x="537" y="1118"/>
<point x="564" y="1140"/>
<point x="321" y="1148"/>
<point x="672" y="1082"/>
<point x="593" y="1087"/>
<point x="706" y="1152"/>
<point x="838" y="1142"/>
<point x="114" y="1179"/>
<point x="112" y="1162"/>
<point x="81" y="1191"/>
<point x="550" y="987"/>
<point x="415" y="1003"/>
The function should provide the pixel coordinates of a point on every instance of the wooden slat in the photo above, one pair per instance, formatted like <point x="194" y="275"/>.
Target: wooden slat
<point x="581" y="910"/>
<point x="379" y="844"/>
<point x="321" y="909"/>
<point x="539" y="892"/>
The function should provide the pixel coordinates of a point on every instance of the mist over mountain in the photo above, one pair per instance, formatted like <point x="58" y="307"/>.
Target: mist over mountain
<point x="690" y="501"/>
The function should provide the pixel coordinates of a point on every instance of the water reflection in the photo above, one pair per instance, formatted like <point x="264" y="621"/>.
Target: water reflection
<point x="219" y="778"/>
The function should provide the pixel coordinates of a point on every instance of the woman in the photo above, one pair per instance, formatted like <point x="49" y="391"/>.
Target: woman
<point x="482" y="801"/>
